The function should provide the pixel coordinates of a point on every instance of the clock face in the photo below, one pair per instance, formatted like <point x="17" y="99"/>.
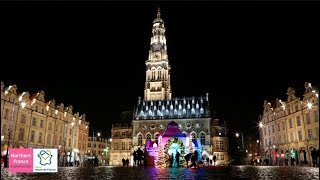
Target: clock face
<point x="156" y="56"/>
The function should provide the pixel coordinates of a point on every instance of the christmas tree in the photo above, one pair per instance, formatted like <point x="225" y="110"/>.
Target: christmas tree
<point x="161" y="156"/>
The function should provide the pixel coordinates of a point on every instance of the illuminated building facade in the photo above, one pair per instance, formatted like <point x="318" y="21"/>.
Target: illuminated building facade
<point x="183" y="124"/>
<point x="121" y="143"/>
<point x="98" y="146"/>
<point x="289" y="124"/>
<point x="34" y="122"/>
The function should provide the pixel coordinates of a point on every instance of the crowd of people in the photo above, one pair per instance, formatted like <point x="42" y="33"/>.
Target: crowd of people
<point x="289" y="157"/>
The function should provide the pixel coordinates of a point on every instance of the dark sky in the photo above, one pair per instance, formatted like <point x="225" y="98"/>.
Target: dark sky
<point x="92" y="54"/>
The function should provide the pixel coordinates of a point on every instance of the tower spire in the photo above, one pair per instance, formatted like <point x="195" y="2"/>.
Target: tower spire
<point x="158" y="14"/>
<point x="157" y="85"/>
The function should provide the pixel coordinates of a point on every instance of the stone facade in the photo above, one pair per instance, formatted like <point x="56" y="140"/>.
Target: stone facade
<point x="289" y="124"/>
<point x="157" y="110"/>
<point x="121" y="143"/>
<point x="98" y="149"/>
<point x="34" y="122"/>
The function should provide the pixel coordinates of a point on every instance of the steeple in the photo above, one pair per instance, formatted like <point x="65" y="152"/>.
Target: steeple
<point x="157" y="85"/>
<point x="158" y="19"/>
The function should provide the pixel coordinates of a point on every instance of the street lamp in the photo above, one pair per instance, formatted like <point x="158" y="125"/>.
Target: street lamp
<point x="237" y="135"/>
<point x="93" y="143"/>
<point x="33" y="101"/>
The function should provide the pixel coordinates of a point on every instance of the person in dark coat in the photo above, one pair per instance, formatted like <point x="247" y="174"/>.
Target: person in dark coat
<point x="187" y="158"/>
<point x="135" y="157"/>
<point x="314" y="155"/>
<point x="214" y="159"/>
<point x="139" y="156"/>
<point x="127" y="162"/>
<point x="178" y="158"/>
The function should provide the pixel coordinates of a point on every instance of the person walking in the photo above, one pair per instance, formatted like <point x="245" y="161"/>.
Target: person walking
<point x="314" y="156"/>
<point x="214" y="160"/>
<point x="178" y="158"/>
<point x="301" y="157"/>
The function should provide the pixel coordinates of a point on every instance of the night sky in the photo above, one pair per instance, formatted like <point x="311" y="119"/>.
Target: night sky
<point x="92" y="54"/>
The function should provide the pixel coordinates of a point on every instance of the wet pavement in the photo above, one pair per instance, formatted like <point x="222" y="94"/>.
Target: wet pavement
<point x="233" y="172"/>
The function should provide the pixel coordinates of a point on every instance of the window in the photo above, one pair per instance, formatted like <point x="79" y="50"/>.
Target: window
<point x="61" y="128"/>
<point x="283" y="125"/>
<point x="40" y="137"/>
<point x="265" y="132"/>
<point x="300" y="135"/>
<point x="21" y="134"/>
<point x="49" y="139"/>
<point x="273" y="140"/>
<point x="291" y="137"/>
<point x="69" y="142"/>
<point x="139" y="140"/>
<point x="89" y="144"/>
<point x="129" y="145"/>
<point x="193" y="136"/>
<point x="202" y="139"/>
<point x="278" y="127"/>
<point x="32" y="136"/>
<point x="60" y="140"/>
<point x="4" y="130"/>
<point x="297" y="108"/>
<point x="272" y="128"/>
<point x="219" y="145"/>
<point x="310" y="134"/>
<point x="116" y="134"/>
<point x="6" y="113"/>
<point x="148" y="137"/>
<point x="50" y="126"/>
<point x="221" y="157"/>
<point x="279" y="139"/>
<point x="316" y="116"/>
<point x="116" y="146"/>
<point x="317" y="132"/>
<point x="308" y="118"/>
<point x="156" y="137"/>
<point x="123" y="145"/>
<point x="23" y="118"/>
<point x="34" y="122"/>
<point x="41" y="123"/>
<point x="298" y="121"/>
<point x="70" y="130"/>
<point x="290" y="123"/>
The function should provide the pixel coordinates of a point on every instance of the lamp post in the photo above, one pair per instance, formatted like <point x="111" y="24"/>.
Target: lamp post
<point x="33" y="101"/>
<point x="92" y="144"/>
<point x="237" y="135"/>
<point x="9" y="131"/>
<point x="241" y="151"/>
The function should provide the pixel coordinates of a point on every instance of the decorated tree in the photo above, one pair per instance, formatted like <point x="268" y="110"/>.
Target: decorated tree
<point x="161" y="156"/>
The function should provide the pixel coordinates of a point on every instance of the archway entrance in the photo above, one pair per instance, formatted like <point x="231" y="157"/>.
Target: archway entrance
<point x="175" y="151"/>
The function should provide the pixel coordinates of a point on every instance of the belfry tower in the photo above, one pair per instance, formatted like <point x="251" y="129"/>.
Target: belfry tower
<point x="157" y="85"/>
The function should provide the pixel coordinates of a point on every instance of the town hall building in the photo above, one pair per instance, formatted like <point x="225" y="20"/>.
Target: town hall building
<point x="164" y="126"/>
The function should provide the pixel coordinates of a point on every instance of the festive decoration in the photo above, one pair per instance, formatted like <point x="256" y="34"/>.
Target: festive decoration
<point x="180" y="143"/>
<point x="161" y="156"/>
